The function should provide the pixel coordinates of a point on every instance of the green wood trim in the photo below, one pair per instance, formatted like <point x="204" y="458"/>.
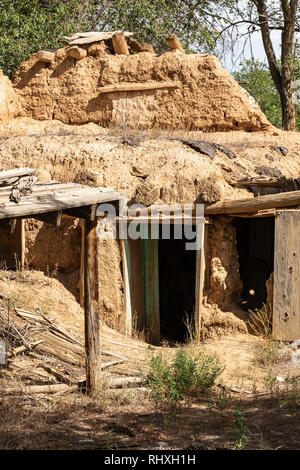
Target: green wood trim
<point x="151" y="289"/>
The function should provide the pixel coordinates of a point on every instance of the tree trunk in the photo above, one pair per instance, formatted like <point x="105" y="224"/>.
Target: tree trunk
<point x="289" y="9"/>
<point x="288" y="109"/>
<point x="282" y="76"/>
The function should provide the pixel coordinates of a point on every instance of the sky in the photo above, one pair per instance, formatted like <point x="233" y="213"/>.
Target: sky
<point x="257" y="49"/>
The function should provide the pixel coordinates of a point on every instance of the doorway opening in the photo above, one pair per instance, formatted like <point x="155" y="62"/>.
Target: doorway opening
<point x="255" y="246"/>
<point x="177" y="270"/>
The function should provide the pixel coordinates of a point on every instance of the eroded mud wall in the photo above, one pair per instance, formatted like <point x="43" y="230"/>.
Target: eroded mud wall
<point x="207" y="96"/>
<point x="224" y="282"/>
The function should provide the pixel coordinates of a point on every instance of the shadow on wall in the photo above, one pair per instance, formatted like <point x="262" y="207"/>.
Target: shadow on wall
<point x="30" y="73"/>
<point x="56" y="251"/>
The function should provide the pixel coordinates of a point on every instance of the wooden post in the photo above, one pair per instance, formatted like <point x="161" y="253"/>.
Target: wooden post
<point x="91" y="315"/>
<point x="200" y="279"/>
<point x="174" y="43"/>
<point x="125" y="255"/>
<point x="44" y="56"/>
<point x="76" y="52"/>
<point x="81" y="278"/>
<point x="120" y="44"/>
<point x="23" y="243"/>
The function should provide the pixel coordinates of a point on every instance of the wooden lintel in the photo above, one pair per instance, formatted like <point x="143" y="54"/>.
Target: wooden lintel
<point x="52" y="218"/>
<point x="84" y="212"/>
<point x="9" y="225"/>
<point x="255" y="215"/>
<point x="121" y="87"/>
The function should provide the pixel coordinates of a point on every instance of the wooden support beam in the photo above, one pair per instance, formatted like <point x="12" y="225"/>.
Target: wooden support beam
<point x="122" y="87"/>
<point x="91" y="315"/>
<point x="58" y="200"/>
<point x="76" y="52"/>
<point x="270" y="201"/>
<point x="84" y="212"/>
<point x="174" y="43"/>
<point x="52" y="218"/>
<point x="120" y="44"/>
<point x="256" y="182"/>
<point x="9" y="225"/>
<point x="125" y="256"/>
<point x="45" y="56"/>
<point x="200" y="278"/>
<point x="23" y="243"/>
<point x="82" y="257"/>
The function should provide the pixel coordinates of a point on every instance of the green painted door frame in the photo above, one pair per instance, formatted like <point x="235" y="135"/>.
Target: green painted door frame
<point x="151" y="289"/>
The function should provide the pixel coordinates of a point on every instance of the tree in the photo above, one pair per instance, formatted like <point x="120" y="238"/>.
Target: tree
<point x="154" y="20"/>
<point x="266" y="16"/>
<point x="256" y="78"/>
<point x="29" y="25"/>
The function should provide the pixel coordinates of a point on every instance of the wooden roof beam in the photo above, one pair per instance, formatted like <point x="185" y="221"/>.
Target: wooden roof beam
<point x="255" y="204"/>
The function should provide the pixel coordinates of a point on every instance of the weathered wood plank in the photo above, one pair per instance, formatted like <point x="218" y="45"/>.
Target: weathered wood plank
<point x="76" y="52"/>
<point x="119" y="43"/>
<point x="38" y="204"/>
<point x="82" y="257"/>
<point x="200" y="276"/>
<point x="91" y="315"/>
<point x="45" y="56"/>
<point x="286" y="302"/>
<point x="254" y="204"/>
<point x="137" y="87"/>
<point x="90" y="37"/>
<point x="125" y="256"/>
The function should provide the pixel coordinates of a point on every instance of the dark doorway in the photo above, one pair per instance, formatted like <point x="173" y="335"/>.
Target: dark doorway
<point x="177" y="269"/>
<point x="255" y="245"/>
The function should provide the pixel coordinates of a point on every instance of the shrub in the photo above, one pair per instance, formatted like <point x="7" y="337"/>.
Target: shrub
<point x="184" y="377"/>
<point x="270" y="352"/>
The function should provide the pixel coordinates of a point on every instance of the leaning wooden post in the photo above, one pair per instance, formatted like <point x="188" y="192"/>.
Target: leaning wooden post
<point x="82" y="258"/>
<point x="120" y="44"/>
<point x="91" y="315"/>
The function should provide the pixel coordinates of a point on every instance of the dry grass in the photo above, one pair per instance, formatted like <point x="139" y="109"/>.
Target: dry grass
<point x="260" y="321"/>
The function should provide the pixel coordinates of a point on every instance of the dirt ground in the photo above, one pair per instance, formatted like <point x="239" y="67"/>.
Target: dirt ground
<point x="245" y="401"/>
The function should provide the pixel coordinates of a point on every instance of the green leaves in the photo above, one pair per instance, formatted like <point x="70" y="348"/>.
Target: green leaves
<point x="187" y="375"/>
<point x="255" y="77"/>
<point x="29" y="25"/>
